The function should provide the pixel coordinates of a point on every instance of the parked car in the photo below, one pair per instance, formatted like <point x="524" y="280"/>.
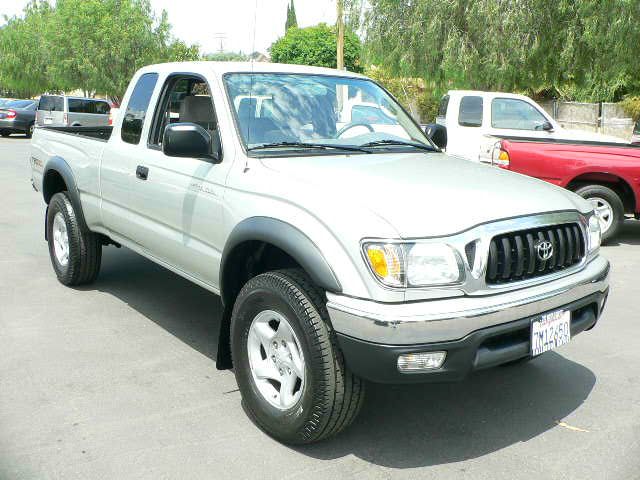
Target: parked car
<point x="338" y="258"/>
<point x="607" y="175"/>
<point x="18" y="116"/>
<point x="472" y="118"/>
<point x="59" y="110"/>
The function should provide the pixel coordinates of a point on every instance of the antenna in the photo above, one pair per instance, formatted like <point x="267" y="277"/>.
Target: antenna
<point x="253" y="48"/>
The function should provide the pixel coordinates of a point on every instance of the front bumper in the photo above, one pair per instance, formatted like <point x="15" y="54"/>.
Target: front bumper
<point x="476" y="332"/>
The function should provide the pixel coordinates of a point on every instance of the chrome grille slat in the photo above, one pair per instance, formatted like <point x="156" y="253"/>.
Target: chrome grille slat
<point x="513" y="256"/>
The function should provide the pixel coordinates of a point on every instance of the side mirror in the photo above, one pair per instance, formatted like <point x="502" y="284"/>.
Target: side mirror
<point x="438" y="134"/>
<point x="547" y="126"/>
<point x="190" y="140"/>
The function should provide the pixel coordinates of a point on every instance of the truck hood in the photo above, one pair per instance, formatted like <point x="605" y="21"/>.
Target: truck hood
<point x="424" y="194"/>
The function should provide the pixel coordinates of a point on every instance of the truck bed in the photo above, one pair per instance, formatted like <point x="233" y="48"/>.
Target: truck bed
<point x="96" y="133"/>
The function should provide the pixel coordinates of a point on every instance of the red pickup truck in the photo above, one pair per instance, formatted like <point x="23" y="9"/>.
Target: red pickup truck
<point x="607" y="174"/>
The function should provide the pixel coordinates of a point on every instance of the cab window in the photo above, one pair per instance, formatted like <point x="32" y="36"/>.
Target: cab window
<point x="515" y="114"/>
<point x="183" y="99"/>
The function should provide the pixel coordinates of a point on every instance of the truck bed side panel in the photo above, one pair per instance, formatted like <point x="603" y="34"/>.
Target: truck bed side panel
<point x="82" y="154"/>
<point x="562" y="163"/>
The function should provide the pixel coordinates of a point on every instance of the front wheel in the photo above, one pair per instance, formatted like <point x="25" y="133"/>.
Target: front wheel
<point x="608" y="208"/>
<point x="75" y="253"/>
<point x="289" y="368"/>
<point x="5" y="133"/>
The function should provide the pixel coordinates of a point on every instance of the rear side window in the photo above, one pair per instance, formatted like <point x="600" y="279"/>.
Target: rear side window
<point x="444" y="103"/>
<point x="470" y="113"/>
<point x="102" y="108"/>
<point x="80" y="105"/>
<point x="137" y="108"/>
<point x="51" y="103"/>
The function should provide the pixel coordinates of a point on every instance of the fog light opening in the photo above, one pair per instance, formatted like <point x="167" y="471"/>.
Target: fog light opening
<point x="418" y="362"/>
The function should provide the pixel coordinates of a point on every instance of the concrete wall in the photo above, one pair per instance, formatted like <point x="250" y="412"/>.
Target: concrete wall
<point x="606" y="118"/>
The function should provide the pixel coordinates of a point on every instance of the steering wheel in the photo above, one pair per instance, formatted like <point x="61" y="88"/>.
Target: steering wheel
<point x="349" y="126"/>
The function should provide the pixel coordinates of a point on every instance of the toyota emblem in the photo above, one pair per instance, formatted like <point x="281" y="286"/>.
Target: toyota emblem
<point x="544" y="249"/>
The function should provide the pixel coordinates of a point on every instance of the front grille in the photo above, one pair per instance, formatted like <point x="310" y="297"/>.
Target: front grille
<point x="514" y="256"/>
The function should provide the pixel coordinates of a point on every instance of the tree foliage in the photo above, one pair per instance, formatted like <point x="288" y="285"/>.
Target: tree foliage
<point x="226" y="57"/>
<point x="583" y="50"/>
<point x="316" y="46"/>
<point x="92" y="45"/>
<point x="292" y="20"/>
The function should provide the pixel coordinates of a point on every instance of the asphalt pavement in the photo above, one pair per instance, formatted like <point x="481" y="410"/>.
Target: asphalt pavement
<point x="117" y="380"/>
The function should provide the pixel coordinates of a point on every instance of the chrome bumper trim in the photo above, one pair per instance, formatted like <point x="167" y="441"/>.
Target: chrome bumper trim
<point x="454" y="318"/>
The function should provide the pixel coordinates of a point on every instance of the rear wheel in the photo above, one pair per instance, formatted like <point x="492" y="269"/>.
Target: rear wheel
<point x="75" y="253"/>
<point x="289" y="368"/>
<point x="29" y="132"/>
<point x="608" y="207"/>
<point x="5" y="133"/>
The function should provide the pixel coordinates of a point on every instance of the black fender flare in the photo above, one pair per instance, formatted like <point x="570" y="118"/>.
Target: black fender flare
<point x="62" y="168"/>
<point x="287" y="238"/>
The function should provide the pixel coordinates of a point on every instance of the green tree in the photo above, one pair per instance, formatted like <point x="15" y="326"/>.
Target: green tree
<point x="316" y="46"/>
<point x="226" y="57"/>
<point x="24" y="64"/>
<point x="101" y="43"/>
<point x="93" y="45"/>
<point x="581" y="50"/>
<point x="292" y="21"/>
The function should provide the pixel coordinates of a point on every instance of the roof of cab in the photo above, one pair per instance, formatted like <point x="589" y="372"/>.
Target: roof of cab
<point x="482" y="93"/>
<point x="220" y="68"/>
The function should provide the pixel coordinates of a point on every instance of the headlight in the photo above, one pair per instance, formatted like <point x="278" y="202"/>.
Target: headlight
<point x="413" y="264"/>
<point x="593" y="234"/>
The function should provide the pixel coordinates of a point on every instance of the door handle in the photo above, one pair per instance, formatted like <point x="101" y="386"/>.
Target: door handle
<point x="142" y="172"/>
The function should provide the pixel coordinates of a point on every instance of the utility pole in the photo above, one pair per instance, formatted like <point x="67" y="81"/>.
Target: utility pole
<point x="340" y="52"/>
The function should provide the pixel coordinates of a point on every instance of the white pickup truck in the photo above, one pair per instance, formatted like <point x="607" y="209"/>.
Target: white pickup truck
<point x="344" y="247"/>
<point x="473" y="119"/>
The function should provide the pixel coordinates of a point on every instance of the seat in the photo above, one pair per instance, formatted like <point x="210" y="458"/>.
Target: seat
<point x="199" y="110"/>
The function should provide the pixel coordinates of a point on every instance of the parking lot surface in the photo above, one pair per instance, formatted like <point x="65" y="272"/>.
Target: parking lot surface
<point x="118" y="380"/>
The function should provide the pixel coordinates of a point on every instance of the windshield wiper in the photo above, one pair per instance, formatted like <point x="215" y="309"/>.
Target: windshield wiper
<point x="322" y="146"/>
<point x="382" y="143"/>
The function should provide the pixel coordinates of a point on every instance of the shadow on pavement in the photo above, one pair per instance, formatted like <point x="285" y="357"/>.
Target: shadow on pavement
<point x="399" y="426"/>
<point x="420" y="425"/>
<point x="183" y="309"/>
<point x="629" y="234"/>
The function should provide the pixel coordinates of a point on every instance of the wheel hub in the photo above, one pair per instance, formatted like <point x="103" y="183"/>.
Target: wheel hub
<point x="604" y="212"/>
<point x="60" y="239"/>
<point x="276" y="359"/>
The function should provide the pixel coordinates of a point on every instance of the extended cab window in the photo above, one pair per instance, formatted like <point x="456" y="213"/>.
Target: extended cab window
<point x="183" y="99"/>
<point x="515" y="114"/>
<point x="137" y="108"/>
<point x="470" y="113"/>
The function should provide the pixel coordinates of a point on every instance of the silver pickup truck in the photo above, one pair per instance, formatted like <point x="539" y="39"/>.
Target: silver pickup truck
<point x="344" y="245"/>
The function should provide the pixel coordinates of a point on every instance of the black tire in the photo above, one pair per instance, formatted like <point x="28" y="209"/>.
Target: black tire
<point x="332" y="396"/>
<point x="85" y="247"/>
<point x="599" y="191"/>
<point x="5" y="133"/>
<point x="29" y="132"/>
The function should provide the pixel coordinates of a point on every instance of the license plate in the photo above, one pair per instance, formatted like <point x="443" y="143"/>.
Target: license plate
<point x="550" y="331"/>
<point x="48" y="121"/>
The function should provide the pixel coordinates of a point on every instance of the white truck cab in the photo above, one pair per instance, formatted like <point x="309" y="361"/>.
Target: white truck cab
<point x="474" y="118"/>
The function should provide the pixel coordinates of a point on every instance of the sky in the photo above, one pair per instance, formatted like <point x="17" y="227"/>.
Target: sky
<point x="205" y="21"/>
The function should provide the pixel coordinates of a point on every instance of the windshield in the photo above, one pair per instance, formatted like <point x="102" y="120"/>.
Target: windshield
<point x="276" y="111"/>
